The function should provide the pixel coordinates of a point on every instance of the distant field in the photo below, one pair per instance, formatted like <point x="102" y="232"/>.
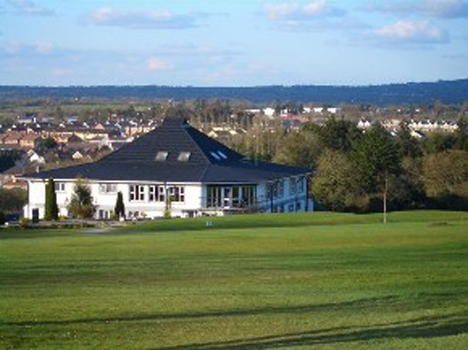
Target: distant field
<point x="286" y="281"/>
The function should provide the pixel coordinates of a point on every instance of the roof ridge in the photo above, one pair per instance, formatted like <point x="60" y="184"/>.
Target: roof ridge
<point x="185" y="128"/>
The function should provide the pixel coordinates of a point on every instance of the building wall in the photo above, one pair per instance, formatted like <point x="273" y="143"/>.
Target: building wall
<point x="105" y="202"/>
<point x="284" y="199"/>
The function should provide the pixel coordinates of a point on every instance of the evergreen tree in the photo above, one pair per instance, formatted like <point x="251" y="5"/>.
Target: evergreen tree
<point x="119" y="206"/>
<point x="408" y="146"/>
<point x="81" y="204"/>
<point x="378" y="159"/>
<point x="461" y="135"/>
<point x="51" y="208"/>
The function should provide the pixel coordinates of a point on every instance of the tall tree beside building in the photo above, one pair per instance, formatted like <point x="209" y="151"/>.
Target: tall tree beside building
<point x="119" y="206"/>
<point x="81" y="204"/>
<point x="51" y="208"/>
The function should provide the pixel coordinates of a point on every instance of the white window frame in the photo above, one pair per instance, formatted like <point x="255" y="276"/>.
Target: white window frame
<point x="59" y="187"/>
<point x="107" y="188"/>
<point x="137" y="193"/>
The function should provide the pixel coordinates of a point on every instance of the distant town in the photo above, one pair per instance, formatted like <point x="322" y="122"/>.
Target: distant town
<point x="50" y="135"/>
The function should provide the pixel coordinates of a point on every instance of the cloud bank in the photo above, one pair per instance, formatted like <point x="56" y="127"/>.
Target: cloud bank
<point x="448" y="9"/>
<point x="150" y="19"/>
<point x="29" y="8"/>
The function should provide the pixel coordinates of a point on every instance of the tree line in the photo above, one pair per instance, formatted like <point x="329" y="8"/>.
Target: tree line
<point x="363" y="171"/>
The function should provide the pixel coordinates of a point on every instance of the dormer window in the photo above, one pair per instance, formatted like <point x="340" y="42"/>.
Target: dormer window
<point x="183" y="156"/>
<point x="161" y="156"/>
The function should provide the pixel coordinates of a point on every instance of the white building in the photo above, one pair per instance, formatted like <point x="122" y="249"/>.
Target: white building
<point x="198" y="174"/>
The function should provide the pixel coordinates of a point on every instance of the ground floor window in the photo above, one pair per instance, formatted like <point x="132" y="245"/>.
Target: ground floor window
<point x="104" y="214"/>
<point x="242" y="196"/>
<point x="157" y="193"/>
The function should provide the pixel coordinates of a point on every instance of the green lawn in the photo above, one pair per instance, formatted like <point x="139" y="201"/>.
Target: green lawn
<point x="286" y="281"/>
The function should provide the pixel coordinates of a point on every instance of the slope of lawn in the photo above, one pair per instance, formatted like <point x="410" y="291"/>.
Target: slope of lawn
<point x="286" y="281"/>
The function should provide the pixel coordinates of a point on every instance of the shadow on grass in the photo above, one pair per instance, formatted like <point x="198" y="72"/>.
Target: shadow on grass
<point x="362" y="303"/>
<point x="358" y="305"/>
<point x="430" y="327"/>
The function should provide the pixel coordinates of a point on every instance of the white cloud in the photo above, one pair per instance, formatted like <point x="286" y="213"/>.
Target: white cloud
<point x="315" y="9"/>
<point x="44" y="47"/>
<point x="434" y="8"/>
<point x="61" y="72"/>
<point x="150" y="19"/>
<point x="26" y="7"/>
<point x="155" y="64"/>
<point x="406" y="32"/>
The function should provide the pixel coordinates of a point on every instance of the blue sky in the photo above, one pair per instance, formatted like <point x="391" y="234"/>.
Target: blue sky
<point x="231" y="43"/>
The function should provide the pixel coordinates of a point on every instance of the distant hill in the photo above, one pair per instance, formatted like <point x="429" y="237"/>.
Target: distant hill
<point x="455" y="91"/>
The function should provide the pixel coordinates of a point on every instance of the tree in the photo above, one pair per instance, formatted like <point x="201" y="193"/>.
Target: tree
<point x="301" y="148"/>
<point x="81" y="204"/>
<point x="446" y="173"/>
<point x="119" y="206"/>
<point x="2" y="218"/>
<point x="439" y="142"/>
<point x="47" y="144"/>
<point x="51" y="208"/>
<point x="408" y="146"/>
<point x="461" y="135"/>
<point x="335" y="184"/>
<point x="336" y="134"/>
<point x="12" y="200"/>
<point x="378" y="159"/>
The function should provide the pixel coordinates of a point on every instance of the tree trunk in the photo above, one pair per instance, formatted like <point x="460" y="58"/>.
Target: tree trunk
<point x="385" y="199"/>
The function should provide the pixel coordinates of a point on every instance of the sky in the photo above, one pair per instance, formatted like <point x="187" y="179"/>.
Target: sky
<point x="231" y="42"/>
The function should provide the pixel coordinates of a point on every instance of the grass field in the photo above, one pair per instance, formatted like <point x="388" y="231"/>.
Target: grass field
<point x="286" y="281"/>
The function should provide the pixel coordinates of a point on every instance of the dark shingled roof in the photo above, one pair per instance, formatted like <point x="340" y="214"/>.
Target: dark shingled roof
<point x="209" y="160"/>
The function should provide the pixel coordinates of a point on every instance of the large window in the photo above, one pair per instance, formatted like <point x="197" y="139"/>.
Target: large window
<point x="160" y="193"/>
<point x="230" y="196"/>
<point x="137" y="193"/>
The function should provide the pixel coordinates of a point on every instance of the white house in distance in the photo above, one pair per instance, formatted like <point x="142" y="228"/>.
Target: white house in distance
<point x="200" y="176"/>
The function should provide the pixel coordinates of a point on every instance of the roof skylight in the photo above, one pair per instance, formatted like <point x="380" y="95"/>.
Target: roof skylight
<point x="222" y="155"/>
<point x="215" y="155"/>
<point x="161" y="156"/>
<point x="183" y="156"/>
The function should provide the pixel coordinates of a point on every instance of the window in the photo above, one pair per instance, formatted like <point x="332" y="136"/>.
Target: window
<point x="222" y="155"/>
<point x="230" y="196"/>
<point x="183" y="156"/>
<point x="292" y="186"/>
<point x="215" y="155"/>
<point x="107" y="188"/>
<point x="137" y="193"/>
<point x="161" y="156"/>
<point x="153" y="193"/>
<point x="60" y="187"/>
<point x="176" y="193"/>
<point x="300" y="185"/>
<point x="280" y="188"/>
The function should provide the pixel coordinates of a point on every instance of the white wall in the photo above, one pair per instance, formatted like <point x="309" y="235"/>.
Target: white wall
<point x="106" y="201"/>
<point x="195" y="198"/>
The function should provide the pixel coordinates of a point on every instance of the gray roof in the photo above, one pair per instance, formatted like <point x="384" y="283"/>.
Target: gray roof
<point x="209" y="161"/>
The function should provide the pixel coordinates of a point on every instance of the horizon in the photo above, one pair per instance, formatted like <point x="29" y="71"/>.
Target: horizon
<point x="233" y="86"/>
<point x="238" y="44"/>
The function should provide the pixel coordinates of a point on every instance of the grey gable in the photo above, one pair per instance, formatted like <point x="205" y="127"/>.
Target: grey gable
<point x="208" y="160"/>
